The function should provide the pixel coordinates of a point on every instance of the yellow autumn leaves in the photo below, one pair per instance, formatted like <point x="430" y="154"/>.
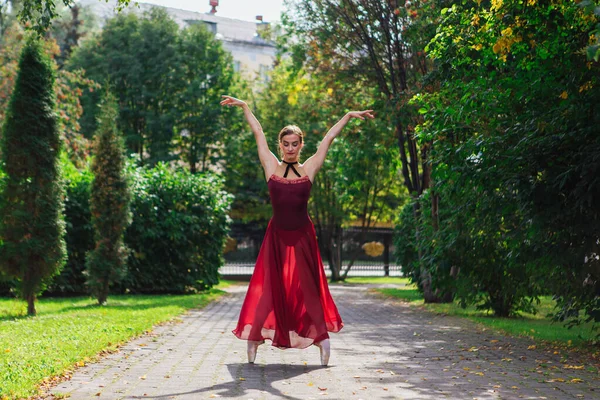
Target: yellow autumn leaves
<point x="504" y="43"/>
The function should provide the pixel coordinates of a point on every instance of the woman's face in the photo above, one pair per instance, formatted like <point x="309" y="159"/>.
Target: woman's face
<point x="290" y="146"/>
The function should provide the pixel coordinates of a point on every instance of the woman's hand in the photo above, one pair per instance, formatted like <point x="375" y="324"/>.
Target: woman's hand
<point x="361" y="114"/>
<point x="232" y="101"/>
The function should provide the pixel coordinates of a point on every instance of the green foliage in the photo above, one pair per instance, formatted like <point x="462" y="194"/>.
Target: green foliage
<point x="514" y="136"/>
<point x="355" y="183"/>
<point x="39" y="14"/>
<point x="135" y="55"/>
<point x="178" y="232"/>
<point x="31" y="206"/>
<point x="162" y="118"/>
<point x="205" y="71"/>
<point x="69" y="89"/>
<point x="109" y="204"/>
<point x="405" y="246"/>
<point x="80" y="232"/>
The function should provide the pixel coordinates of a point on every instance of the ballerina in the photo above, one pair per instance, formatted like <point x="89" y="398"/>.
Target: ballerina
<point x="288" y="299"/>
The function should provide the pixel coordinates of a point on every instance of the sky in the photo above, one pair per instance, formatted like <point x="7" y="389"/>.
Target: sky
<point x="246" y="10"/>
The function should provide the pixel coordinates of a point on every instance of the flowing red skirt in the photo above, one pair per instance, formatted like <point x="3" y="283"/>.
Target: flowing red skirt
<point x="288" y="299"/>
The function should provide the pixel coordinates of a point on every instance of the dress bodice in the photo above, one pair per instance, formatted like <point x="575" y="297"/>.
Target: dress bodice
<point x="289" y="199"/>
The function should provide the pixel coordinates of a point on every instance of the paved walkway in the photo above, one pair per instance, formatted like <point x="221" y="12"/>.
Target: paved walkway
<point x="387" y="350"/>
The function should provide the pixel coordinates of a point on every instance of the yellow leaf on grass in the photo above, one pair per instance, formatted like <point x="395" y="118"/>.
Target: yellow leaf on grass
<point x="576" y="380"/>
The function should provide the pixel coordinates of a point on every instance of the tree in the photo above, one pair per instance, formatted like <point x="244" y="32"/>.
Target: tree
<point x="371" y="40"/>
<point x="32" y="228"/>
<point x="70" y="86"/>
<point x="139" y="57"/>
<point x="515" y="131"/>
<point x="109" y="204"/>
<point x="39" y="14"/>
<point x="205" y="72"/>
<point x="355" y="183"/>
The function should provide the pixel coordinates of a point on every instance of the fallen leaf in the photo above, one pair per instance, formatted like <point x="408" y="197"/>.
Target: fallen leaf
<point x="309" y="384"/>
<point x="143" y="377"/>
<point x="573" y="367"/>
<point x="576" y="380"/>
<point x="320" y="388"/>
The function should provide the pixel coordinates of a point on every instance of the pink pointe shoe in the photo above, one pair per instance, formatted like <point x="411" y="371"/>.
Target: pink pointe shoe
<point x="325" y="350"/>
<point x="252" y="348"/>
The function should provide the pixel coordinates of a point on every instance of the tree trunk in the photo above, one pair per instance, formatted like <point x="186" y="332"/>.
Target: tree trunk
<point x="425" y="277"/>
<point x="103" y="295"/>
<point x="335" y="259"/>
<point x="31" y="304"/>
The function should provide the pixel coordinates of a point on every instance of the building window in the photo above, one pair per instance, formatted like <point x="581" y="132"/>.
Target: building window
<point x="263" y="72"/>
<point x="211" y="26"/>
<point x="237" y="66"/>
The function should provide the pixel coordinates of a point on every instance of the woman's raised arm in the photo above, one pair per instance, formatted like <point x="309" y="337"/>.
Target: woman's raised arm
<point x="267" y="158"/>
<point x="314" y="163"/>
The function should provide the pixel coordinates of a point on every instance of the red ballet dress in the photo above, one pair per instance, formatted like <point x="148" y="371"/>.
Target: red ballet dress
<point x="288" y="299"/>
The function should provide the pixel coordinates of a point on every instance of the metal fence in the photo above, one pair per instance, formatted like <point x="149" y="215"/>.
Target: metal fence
<point x="243" y="250"/>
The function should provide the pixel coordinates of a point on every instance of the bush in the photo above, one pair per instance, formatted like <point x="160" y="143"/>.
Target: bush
<point x="80" y="233"/>
<point x="178" y="232"/>
<point x="176" y="238"/>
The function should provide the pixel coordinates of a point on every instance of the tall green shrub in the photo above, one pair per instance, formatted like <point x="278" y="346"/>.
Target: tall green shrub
<point x="31" y="224"/>
<point x="180" y="223"/>
<point x="109" y="204"/>
<point x="80" y="231"/>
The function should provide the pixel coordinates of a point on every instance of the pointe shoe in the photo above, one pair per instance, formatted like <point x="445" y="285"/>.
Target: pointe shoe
<point x="325" y="350"/>
<point x="252" y="348"/>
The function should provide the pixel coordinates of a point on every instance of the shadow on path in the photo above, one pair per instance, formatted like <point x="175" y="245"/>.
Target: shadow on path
<point x="258" y="377"/>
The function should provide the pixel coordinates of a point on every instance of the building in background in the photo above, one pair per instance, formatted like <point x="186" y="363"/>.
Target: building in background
<point x="253" y="56"/>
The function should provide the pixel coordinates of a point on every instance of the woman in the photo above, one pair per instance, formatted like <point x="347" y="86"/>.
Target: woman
<point x="288" y="299"/>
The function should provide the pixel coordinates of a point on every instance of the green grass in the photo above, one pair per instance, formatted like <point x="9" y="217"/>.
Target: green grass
<point x="68" y="332"/>
<point x="538" y="326"/>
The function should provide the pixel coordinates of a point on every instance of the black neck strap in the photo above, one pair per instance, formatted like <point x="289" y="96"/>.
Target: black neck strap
<point x="287" y="169"/>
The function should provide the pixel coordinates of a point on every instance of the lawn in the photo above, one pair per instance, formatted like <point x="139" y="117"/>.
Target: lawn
<point x="69" y="332"/>
<point x="538" y="326"/>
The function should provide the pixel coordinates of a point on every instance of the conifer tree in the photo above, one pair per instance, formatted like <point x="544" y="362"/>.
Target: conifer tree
<point x="32" y="228"/>
<point x="109" y="204"/>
